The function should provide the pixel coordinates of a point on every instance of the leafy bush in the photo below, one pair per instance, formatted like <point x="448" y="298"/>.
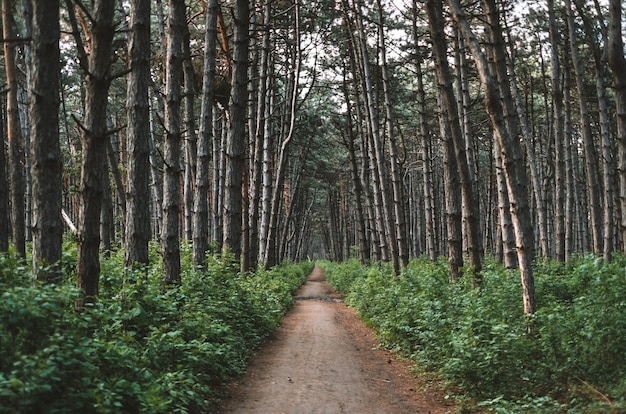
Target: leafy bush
<point x="477" y="338"/>
<point x="141" y="348"/>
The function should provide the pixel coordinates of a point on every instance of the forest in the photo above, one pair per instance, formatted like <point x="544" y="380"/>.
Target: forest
<point x="171" y="169"/>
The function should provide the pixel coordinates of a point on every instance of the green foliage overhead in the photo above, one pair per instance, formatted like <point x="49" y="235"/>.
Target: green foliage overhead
<point x="141" y="348"/>
<point x="575" y="361"/>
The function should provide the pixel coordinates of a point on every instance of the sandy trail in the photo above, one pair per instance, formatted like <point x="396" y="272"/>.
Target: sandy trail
<point x="323" y="359"/>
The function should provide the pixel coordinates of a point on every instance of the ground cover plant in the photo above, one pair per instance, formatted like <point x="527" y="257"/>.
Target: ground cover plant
<point x="141" y="348"/>
<point x="477" y="339"/>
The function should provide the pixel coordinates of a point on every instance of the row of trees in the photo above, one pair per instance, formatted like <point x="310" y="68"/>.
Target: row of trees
<point x="279" y="129"/>
<point x="154" y="121"/>
<point x="528" y="171"/>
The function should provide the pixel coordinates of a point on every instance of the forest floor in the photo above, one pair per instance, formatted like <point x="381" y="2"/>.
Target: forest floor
<point x="323" y="359"/>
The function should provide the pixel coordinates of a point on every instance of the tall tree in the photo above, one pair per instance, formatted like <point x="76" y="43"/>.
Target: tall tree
<point x="138" y="136"/>
<point x="14" y="132"/>
<point x="46" y="159"/>
<point x="235" y="147"/>
<point x="201" y="196"/>
<point x="4" y="193"/>
<point x="514" y="170"/>
<point x="170" y="238"/>
<point x="618" y="65"/>
<point x="378" y="167"/>
<point x="457" y="141"/>
<point x="559" y="136"/>
<point x="396" y="182"/>
<point x="293" y="83"/>
<point x="591" y="159"/>
<point x="95" y="60"/>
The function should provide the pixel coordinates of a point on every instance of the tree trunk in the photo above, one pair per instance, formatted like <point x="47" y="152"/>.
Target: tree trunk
<point x="591" y="159"/>
<point x="201" y="206"/>
<point x="429" y="200"/>
<point x="396" y="178"/>
<point x="106" y="211"/>
<point x="504" y="213"/>
<point x="191" y="139"/>
<point x="14" y="134"/>
<point x="4" y="194"/>
<point x="607" y="159"/>
<point x="272" y="242"/>
<point x="617" y="61"/>
<point x="170" y="239"/>
<point x="93" y="140"/>
<point x="235" y="148"/>
<point x="137" y="227"/>
<point x="559" y="138"/>
<point x="457" y="142"/>
<point x="378" y="169"/>
<point x="514" y="170"/>
<point x="46" y="159"/>
<point x="364" y="251"/>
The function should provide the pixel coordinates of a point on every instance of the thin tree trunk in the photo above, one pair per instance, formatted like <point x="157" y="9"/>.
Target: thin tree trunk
<point x="364" y="252"/>
<point x="170" y="239"/>
<point x="46" y="158"/>
<point x="617" y="61"/>
<point x="396" y="179"/>
<point x="607" y="159"/>
<point x="429" y="202"/>
<point x="448" y="105"/>
<point x="14" y="134"/>
<point x="106" y="211"/>
<point x="137" y="227"/>
<point x="372" y="203"/>
<point x="4" y="194"/>
<point x="504" y="213"/>
<point x="235" y="148"/>
<point x="514" y="171"/>
<point x="191" y="139"/>
<point x="559" y="138"/>
<point x="156" y="177"/>
<point x="201" y="196"/>
<point x="271" y="252"/>
<point x="377" y="160"/>
<point x="591" y="159"/>
<point x="570" y="192"/>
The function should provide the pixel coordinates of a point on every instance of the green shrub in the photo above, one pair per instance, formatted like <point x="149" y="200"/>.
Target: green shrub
<point x="477" y="338"/>
<point x="141" y="348"/>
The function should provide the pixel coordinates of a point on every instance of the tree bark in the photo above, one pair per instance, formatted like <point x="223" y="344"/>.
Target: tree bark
<point x="457" y="142"/>
<point x="96" y="63"/>
<point x="46" y="159"/>
<point x="4" y="193"/>
<point x="201" y="196"/>
<point x="191" y="138"/>
<point x="382" y="203"/>
<point x="559" y="138"/>
<point x="170" y="239"/>
<point x="235" y="148"/>
<point x="137" y="227"/>
<point x="514" y="170"/>
<point x="603" y="112"/>
<point x="14" y="134"/>
<point x="591" y="159"/>
<point x="617" y="61"/>
<point x="272" y="243"/>
<point x="396" y="178"/>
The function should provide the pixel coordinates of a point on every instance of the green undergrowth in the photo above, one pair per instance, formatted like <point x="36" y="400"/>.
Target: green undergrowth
<point x="141" y="348"/>
<point x="477" y="339"/>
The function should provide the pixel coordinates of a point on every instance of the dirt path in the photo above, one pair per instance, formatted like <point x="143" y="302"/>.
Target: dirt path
<point x="323" y="359"/>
